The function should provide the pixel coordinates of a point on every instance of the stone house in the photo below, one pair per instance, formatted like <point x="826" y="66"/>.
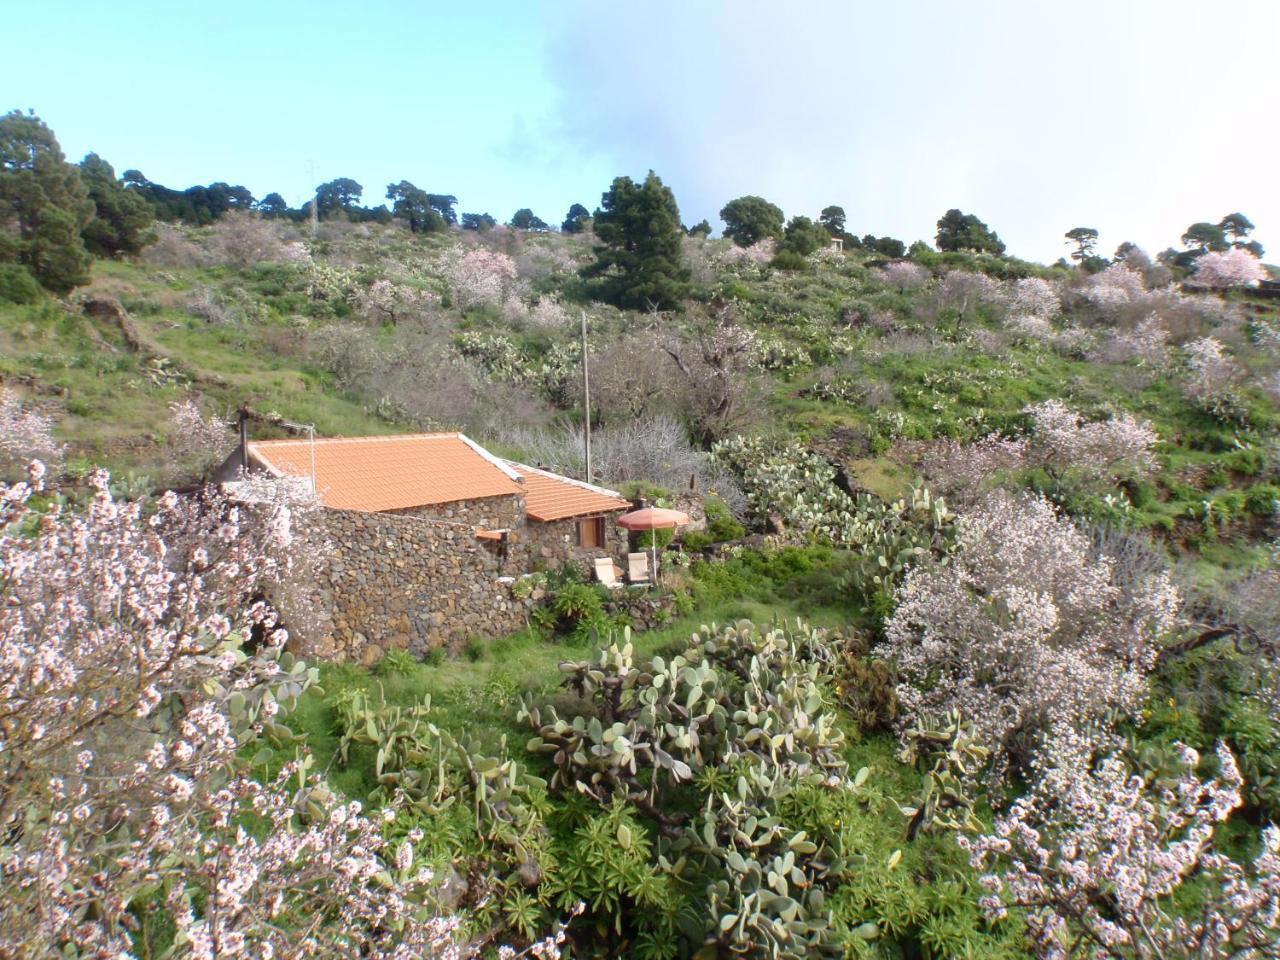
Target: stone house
<point x="424" y="535"/>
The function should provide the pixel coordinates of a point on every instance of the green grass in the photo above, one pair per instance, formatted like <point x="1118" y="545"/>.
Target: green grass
<point x="112" y="405"/>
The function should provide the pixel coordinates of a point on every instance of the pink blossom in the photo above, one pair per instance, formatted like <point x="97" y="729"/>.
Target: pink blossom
<point x="24" y="435"/>
<point x="480" y="278"/>
<point x="1093" y="858"/>
<point x="1223" y="271"/>
<point x="1026" y="631"/>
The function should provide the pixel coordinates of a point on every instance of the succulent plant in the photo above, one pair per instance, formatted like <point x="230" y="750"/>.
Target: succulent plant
<point x="947" y="797"/>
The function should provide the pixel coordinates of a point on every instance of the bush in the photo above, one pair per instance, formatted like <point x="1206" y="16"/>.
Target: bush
<point x="790" y="260"/>
<point x="655" y="539"/>
<point x="17" y="285"/>
<point x="1026" y="631"/>
<point x="1262" y="500"/>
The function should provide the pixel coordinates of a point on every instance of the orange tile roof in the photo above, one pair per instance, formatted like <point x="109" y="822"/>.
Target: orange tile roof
<point x="549" y="496"/>
<point x="372" y="474"/>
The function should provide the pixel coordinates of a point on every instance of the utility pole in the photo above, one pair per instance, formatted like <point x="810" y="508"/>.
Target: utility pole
<point x="586" y="396"/>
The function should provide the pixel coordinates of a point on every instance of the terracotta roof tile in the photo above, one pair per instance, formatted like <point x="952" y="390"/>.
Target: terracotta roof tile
<point x="549" y="496"/>
<point x="372" y="474"/>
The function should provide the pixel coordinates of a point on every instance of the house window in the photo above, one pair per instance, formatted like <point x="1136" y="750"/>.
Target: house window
<point x="591" y="533"/>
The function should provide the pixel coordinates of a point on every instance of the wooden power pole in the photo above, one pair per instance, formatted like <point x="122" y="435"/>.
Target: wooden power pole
<point x="586" y="397"/>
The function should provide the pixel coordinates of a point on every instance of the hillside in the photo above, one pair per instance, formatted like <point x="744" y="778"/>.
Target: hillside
<point x="774" y="767"/>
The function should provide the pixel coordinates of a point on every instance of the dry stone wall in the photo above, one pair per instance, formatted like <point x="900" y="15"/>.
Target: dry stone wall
<point x="407" y="581"/>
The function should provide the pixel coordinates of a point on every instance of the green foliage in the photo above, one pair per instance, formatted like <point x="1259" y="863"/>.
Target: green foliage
<point x="17" y="285"/>
<point x="525" y="219"/>
<point x="794" y="489"/>
<point x="122" y="218"/>
<point x="748" y="220"/>
<point x="789" y="260"/>
<point x="1211" y="693"/>
<point x="396" y="663"/>
<point x="952" y="759"/>
<point x="864" y="685"/>
<point x="43" y="205"/>
<point x="964" y="231"/>
<point x="700" y="229"/>
<point x="338" y="197"/>
<point x="575" y="219"/>
<point x="639" y="260"/>
<point x="802" y="237"/>
<point x="721" y="527"/>
<point x="655" y="539"/>
<point x="413" y="205"/>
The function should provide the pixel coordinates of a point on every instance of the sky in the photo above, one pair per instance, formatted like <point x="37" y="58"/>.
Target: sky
<point x="1135" y="118"/>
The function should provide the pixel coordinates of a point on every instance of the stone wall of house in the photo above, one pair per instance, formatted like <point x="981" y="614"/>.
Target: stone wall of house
<point x="487" y="513"/>
<point x="389" y="581"/>
<point x="551" y="545"/>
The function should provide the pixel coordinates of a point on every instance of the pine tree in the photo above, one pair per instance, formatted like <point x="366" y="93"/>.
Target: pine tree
<point x="639" y="260"/>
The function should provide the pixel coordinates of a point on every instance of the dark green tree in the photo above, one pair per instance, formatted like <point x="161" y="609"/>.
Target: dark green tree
<point x="832" y="218"/>
<point x="414" y="205"/>
<point x="337" y="197"/>
<point x="700" y="229"/>
<point x="748" y="220"/>
<point x="443" y="204"/>
<point x="122" y="219"/>
<point x="1203" y="237"/>
<point x="1237" y="226"/>
<point x="885" y="246"/>
<point x="43" y="205"/>
<point x="1085" y="239"/>
<point x="1124" y="250"/>
<point x="802" y="237"/>
<point x="574" y="221"/>
<point x="524" y="219"/>
<point x="273" y="205"/>
<point x="478" y="221"/>
<point x="964" y="231"/>
<point x="639" y="260"/>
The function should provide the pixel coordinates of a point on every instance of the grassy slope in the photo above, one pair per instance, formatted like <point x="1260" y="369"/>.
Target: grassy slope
<point x="112" y="404"/>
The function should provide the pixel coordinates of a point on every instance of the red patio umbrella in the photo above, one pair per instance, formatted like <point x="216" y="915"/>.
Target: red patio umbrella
<point x="653" y="518"/>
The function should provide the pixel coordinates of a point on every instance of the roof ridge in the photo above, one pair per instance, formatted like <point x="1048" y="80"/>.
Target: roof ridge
<point x="559" y="476"/>
<point x="443" y="435"/>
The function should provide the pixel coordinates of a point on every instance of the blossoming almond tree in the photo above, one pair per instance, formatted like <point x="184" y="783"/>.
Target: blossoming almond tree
<point x="480" y="278"/>
<point x="23" y="434"/>
<point x="1224" y="271"/>
<point x="196" y="441"/>
<point x="1064" y="440"/>
<point x="126" y="700"/>
<point x="1025" y="631"/>
<point x="1104" y="863"/>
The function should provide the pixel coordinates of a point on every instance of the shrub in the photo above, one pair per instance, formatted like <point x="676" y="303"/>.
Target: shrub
<point x="17" y="285"/>
<point x="790" y="260"/>
<point x="130" y="703"/>
<point x="24" y="434"/>
<point x="1062" y="440"/>
<point x="197" y="442"/>
<point x="1223" y="271"/>
<point x="1102" y="859"/>
<point x="480" y="278"/>
<point x="1026" y="631"/>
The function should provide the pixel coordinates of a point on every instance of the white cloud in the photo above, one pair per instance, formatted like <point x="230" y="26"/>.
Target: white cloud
<point x="1136" y="119"/>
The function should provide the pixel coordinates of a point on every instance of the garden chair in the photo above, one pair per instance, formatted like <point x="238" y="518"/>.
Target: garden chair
<point x="638" y="572"/>
<point x="607" y="573"/>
